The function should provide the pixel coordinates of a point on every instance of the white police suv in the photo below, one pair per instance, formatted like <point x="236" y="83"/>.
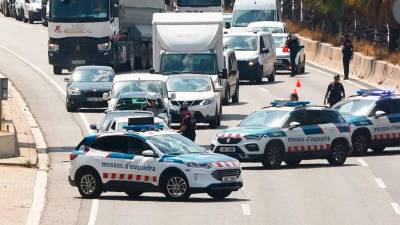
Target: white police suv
<point x="287" y="131"/>
<point x="374" y="116"/>
<point x="146" y="159"/>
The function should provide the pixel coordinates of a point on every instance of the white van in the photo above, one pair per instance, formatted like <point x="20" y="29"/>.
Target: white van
<point x="247" y="11"/>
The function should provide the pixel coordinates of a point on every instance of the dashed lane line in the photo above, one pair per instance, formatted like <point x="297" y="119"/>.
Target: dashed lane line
<point x="362" y="162"/>
<point x="380" y="183"/>
<point x="246" y="209"/>
<point x="93" y="212"/>
<point x="396" y="207"/>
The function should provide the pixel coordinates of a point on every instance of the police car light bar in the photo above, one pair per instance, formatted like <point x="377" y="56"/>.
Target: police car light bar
<point x="375" y="92"/>
<point x="143" y="128"/>
<point x="289" y="103"/>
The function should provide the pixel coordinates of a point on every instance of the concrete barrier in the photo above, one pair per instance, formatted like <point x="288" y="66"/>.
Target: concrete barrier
<point x="365" y="68"/>
<point x="8" y="143"/>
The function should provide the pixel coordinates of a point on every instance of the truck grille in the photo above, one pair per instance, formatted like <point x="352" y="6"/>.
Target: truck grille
<point x="226" y="140"/>
<point x="218" y="174"/>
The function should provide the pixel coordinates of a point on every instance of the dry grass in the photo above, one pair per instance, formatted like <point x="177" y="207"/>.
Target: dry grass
<point x="365" y="47"/>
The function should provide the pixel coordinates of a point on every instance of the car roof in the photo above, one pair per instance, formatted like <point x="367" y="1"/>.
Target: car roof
<point x="131" y="113"/>
<point x="142" y="134"/>
<point x="94" y="68"/>
<point x="267" y="24"/>
<point x="190" y="75"/>
<point x="139" y="76"/>
<point x="247" y="33"/>
<point x="293" y="108"/>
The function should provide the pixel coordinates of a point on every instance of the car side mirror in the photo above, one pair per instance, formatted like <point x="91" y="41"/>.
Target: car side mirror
<point x="67" y="79"/>
<point x="93" y="126"/>
<point x="172" y="96"/>
<point x="228" y="26"/>
<point x="106" y="96"/>
<point x="148" y="153"/>
<point x="152" y="71"/>
<point x="223" y="74"/>
<point x="293" y="125"/>
<point x="379" y="114"/>
<point x="264" y="51"/>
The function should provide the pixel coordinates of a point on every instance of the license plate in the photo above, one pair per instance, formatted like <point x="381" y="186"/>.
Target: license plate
<point x="227" y="149"/>
<point x="229" y="179"/>
<point x="279" y="61"/>
<point x="94" y="99"/>
<point x="78" y="62"/>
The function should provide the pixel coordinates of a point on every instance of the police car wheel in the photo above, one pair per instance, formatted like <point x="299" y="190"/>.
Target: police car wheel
<point x="176" y="187"/>
<point x="338" y="153"/>
<point x="219" y="194"/>
<point x="89" y="184"/>
<point x="293" y="162"/>
<point x="360" y="142"/>
<point x="134" y="194"/>
<point x="273" y="155"/>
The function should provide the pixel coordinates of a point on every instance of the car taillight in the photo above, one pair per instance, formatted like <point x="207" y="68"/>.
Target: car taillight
<point x="72" y="156"/>
<point x="285" y="49"/>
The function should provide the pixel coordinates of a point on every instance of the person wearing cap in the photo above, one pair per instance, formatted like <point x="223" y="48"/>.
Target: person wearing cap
<point x="294" y="46"/>
<point x="188" y="123"/>
<point x="347" y="51"/>
<point x="294" y="97"/>
<point x="335" y="92"/>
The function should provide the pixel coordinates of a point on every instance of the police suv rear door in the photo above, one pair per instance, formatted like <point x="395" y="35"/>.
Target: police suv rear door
<point x="386" y="130"/>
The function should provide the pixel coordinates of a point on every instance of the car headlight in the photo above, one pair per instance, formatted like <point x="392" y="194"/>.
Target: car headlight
<point x="54" y="47"/>
<point x="74" y="92"/>
<point x="252" y="62"/>
<point x="104" y="47"/>
<point x="254" y="137"/>
<point x="198" y="165"/>
<point x="207" y="101"/>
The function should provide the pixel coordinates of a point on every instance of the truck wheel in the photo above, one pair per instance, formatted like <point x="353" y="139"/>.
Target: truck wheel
<point x="219" y="194"/>
<point x="89" y="184"/>
<point x="57" y="70"/>
<point x="235" y="98"/>
<point x="134" y="194"/>
<point x="176" y="187"/>
<point x="293" y="162"/>
<point x="360" y="141"/>
<point x="271" y="78"/>
<point x="46" y="23"/>
<point x="338" y="153"/>
<point x="273" y="155"/>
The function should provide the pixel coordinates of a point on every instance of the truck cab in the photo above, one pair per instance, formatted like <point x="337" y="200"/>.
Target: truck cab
<point x="199" y="6"/>
<point x="245" y="12"/>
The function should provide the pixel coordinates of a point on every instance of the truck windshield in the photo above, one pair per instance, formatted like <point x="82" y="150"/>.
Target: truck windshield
<point x="241" y="43"/>
<point x="197" y="3"/>
<point x="188" y="63"/>
<point x="242" y="18"/>
<point x="79" y="11"/>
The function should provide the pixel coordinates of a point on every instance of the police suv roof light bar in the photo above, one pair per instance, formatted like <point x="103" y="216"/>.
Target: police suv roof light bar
<point x="144" y="128"/>
<point x="375" y="92"/>
<point x="281" y="103"/>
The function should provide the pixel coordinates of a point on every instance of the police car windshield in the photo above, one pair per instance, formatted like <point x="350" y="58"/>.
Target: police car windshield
<point x="355" y="107"/>
<point x="137" y="104"/>
<point x="138" y="86"/>
<point x="175" y="144"/>
<point x="266" y="118"/>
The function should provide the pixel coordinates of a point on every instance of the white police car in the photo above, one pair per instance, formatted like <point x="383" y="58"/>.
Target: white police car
<point x="147" y="160"/>
<point x="287" y="131"/>
<point x="374" y="115"/>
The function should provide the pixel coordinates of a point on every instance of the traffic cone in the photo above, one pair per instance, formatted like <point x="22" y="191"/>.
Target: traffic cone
<point x="298" y="84"/>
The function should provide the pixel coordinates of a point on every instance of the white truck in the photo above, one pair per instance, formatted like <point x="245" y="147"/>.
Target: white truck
<point x="198" y="5"/>
<point x="101" y="32"/>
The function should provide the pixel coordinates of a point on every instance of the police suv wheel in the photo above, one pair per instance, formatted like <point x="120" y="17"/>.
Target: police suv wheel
<point x="293" y="162"/>
<point x="176" y="187"/>
<point x="273" y="156"/>
<point x="219" y="194"/>
<point x="338" y="154"/>
<point x="134" y="194"/>
<point x="89" y="184"/>
<point x="360" y="142"/>
<point x="378" y="149"/>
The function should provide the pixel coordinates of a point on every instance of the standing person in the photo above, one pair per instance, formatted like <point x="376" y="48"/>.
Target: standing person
<point x="335" y="92"/>
<point x="293" y="44"/>
<point x="188" y="123"/>
<point x="347" y="50"/>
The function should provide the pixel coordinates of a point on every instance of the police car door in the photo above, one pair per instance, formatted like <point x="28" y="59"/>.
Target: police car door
<point x="142" y="169"/>
<point x="381" y="130"/>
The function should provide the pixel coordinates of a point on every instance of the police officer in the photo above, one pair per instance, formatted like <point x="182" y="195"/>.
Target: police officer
<point x="347" y="50"/>
<point x="294" y="97"/>
<point x="335" y="92"/>
<point x="188" y="123"/>
<point x="294" y="46"/>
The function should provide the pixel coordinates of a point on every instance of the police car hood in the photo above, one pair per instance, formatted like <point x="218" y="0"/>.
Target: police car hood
<point x="197" y="158"/>
<point x="245" y="131"/>
<point x="358" y="120"/>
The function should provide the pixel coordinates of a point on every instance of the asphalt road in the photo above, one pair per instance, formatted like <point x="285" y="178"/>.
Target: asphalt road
<point x="364" y="191"/>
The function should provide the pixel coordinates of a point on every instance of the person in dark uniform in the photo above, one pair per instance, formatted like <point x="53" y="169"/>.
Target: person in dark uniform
<point x="347" y="50"/>
<point x="335" y="92"/>
<point x="294" y="46"/>
<point x="188" y="123"/>
<point x="294" y="97"/>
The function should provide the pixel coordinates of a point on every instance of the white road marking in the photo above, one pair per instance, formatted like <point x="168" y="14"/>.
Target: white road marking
<point x="380" y="183"/>
<point x="39" y="198"/>
<point x="396" y="207"/>
<point x="93" y="212"/>
<point x="246" y="209"/>
<point x="362" y="162"/>
<point x="264" y="90"/>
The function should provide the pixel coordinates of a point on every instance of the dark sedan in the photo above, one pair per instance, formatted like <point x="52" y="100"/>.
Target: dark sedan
<point x="87" y="85"/>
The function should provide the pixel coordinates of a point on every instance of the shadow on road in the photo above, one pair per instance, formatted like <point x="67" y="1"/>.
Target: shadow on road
<point x="92" y="110"/>
<point x="163" y="199"/>
<point x="384" y="153"/>
<point x="61" y="149"/>
<point x="229" y="117"/>
<point x="301" y="166"/>
<point x="249" y="83"/>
